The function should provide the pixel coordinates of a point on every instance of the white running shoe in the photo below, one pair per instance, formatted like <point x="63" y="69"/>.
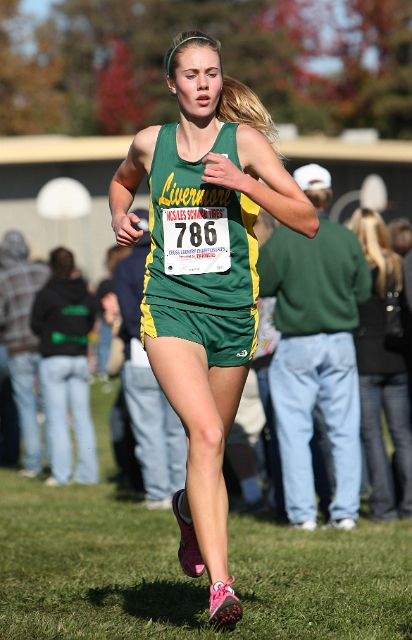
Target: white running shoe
<point x="27" y="473"/>
<point x="308" y="525"/>
<point x="159" y="505"/>
<point x="51" y="482"/>
<point x="347" y="524"/>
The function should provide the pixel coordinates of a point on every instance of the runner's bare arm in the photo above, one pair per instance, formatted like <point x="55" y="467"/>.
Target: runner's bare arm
<point x="126" y="182"/>
<point x="282" y="198"/>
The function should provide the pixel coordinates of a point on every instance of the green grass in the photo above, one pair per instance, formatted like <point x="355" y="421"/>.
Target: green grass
<point x="93" y="563"/>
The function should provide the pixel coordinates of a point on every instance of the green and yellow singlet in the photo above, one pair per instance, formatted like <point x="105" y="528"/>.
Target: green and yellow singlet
<point x="204" y="251"/>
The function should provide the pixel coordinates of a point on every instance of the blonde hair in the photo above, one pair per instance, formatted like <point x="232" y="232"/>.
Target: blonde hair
<point x="240" y="104"/>
<point x="320" y="198"/>
<point x="373" y="236"/>
<point x="237" y="102"/>
<point x="114" y="255"/>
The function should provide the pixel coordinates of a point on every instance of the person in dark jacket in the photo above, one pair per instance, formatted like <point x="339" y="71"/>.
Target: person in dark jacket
<point x="113" y="256"/>
<point x="9" y="422"/>
<point x="62" y="316"/>
<point x="383" y="375"/>
<point x="161" y="442"/>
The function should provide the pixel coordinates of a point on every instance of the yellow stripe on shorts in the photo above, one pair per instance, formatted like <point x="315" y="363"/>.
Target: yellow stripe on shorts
<point x="255" y="313"/>
<point x="147" y="325"/>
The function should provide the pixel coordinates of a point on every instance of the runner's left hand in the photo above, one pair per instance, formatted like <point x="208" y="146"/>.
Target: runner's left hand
<point x="220" y="170"/>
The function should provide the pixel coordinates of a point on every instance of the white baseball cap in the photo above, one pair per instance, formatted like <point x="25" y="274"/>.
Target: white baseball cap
<point x="312" y="176"/>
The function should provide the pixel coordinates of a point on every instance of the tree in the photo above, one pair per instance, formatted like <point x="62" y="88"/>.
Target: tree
<point x="8" y="66"/>
<point x="98" y="67"/>
<point x="28" y="95"/>
<point x="264" y="44"/>
<point x="379" y="94"/>
<point x="119" y="107"/>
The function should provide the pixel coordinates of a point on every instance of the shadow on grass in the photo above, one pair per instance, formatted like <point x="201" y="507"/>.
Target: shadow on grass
<point x="405" y="629"/>
<point x="178" y="603"/>
<point x="127" y="495"/>
<point x="264" y="516"/>
<point x="161" y="600"/>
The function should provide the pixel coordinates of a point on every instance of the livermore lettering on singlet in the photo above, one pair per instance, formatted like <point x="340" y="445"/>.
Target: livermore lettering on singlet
<point x="174" y="195"/>
<point x="196" y="228"/>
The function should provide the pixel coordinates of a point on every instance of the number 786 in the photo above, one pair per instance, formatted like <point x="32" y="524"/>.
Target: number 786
<point x="195" y="231"/>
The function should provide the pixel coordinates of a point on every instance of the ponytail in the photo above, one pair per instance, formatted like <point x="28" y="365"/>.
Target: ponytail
<point x="240" y="104"/>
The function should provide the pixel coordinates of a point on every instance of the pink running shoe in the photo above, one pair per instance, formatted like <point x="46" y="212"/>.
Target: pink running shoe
<point x="189" y="554"/>
<point x="225" y="608"/>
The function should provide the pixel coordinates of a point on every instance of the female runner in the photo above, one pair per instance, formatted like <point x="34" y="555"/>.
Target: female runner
<point x="199" y="316"/>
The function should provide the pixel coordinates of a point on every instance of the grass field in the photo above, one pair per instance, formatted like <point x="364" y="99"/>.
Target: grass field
<point x="93" y="563"/>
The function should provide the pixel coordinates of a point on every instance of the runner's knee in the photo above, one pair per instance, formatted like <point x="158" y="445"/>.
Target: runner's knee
<point x="208" y="439"/>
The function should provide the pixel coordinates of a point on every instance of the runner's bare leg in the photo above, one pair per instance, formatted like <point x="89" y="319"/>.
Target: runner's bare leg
<point x="206" y="400"/>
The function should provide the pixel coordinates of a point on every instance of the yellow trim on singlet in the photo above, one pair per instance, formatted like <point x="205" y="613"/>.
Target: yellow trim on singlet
<point x="149" y="258"/>
<point x="147" y="323"/>
<point x="249" y="211"/>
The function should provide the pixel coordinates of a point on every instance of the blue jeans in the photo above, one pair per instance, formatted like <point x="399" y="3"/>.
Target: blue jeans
<point x="308" y="370"/>
<point x="389" y="392"/>
<point x="275" y="469"/>
<point x="158" y="431"/>
<point x="65" y="383"/>
<point x="103" y="347"/>
<point x="321" y="480"/>
<point x="24" y="368"/>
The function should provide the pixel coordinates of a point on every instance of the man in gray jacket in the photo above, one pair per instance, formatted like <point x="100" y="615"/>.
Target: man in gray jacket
<point x="20" y="280"/>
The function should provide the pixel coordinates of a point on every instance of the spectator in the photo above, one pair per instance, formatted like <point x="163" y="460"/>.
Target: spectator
<point x="113" y="256"/>
<point x="401" y="240"/>
<point x="62" y="316"/>
<point x="318" y="286"/>
<point x="109" y="363"/>
<point x="9" y="424"/>
<point x="240" y="448"/>
<point x="246" y="435"/>
<point x="268" y="340"/>
<point x="20" y="280"/>
<point x="123" y="441"/>
<point x="400" y="235"/>
<point x="383" y="376"/>
<point x="161" y="443"/>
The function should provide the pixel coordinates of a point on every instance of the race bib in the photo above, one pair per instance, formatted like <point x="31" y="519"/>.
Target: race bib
<point x="196" y="240"/>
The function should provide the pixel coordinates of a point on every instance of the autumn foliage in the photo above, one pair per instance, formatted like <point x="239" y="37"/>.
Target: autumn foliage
<point x="97" y="66"/>
<point x="120" y="107"/>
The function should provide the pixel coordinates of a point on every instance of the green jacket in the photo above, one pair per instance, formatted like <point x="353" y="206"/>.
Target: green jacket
<point x="319" y="283"/>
